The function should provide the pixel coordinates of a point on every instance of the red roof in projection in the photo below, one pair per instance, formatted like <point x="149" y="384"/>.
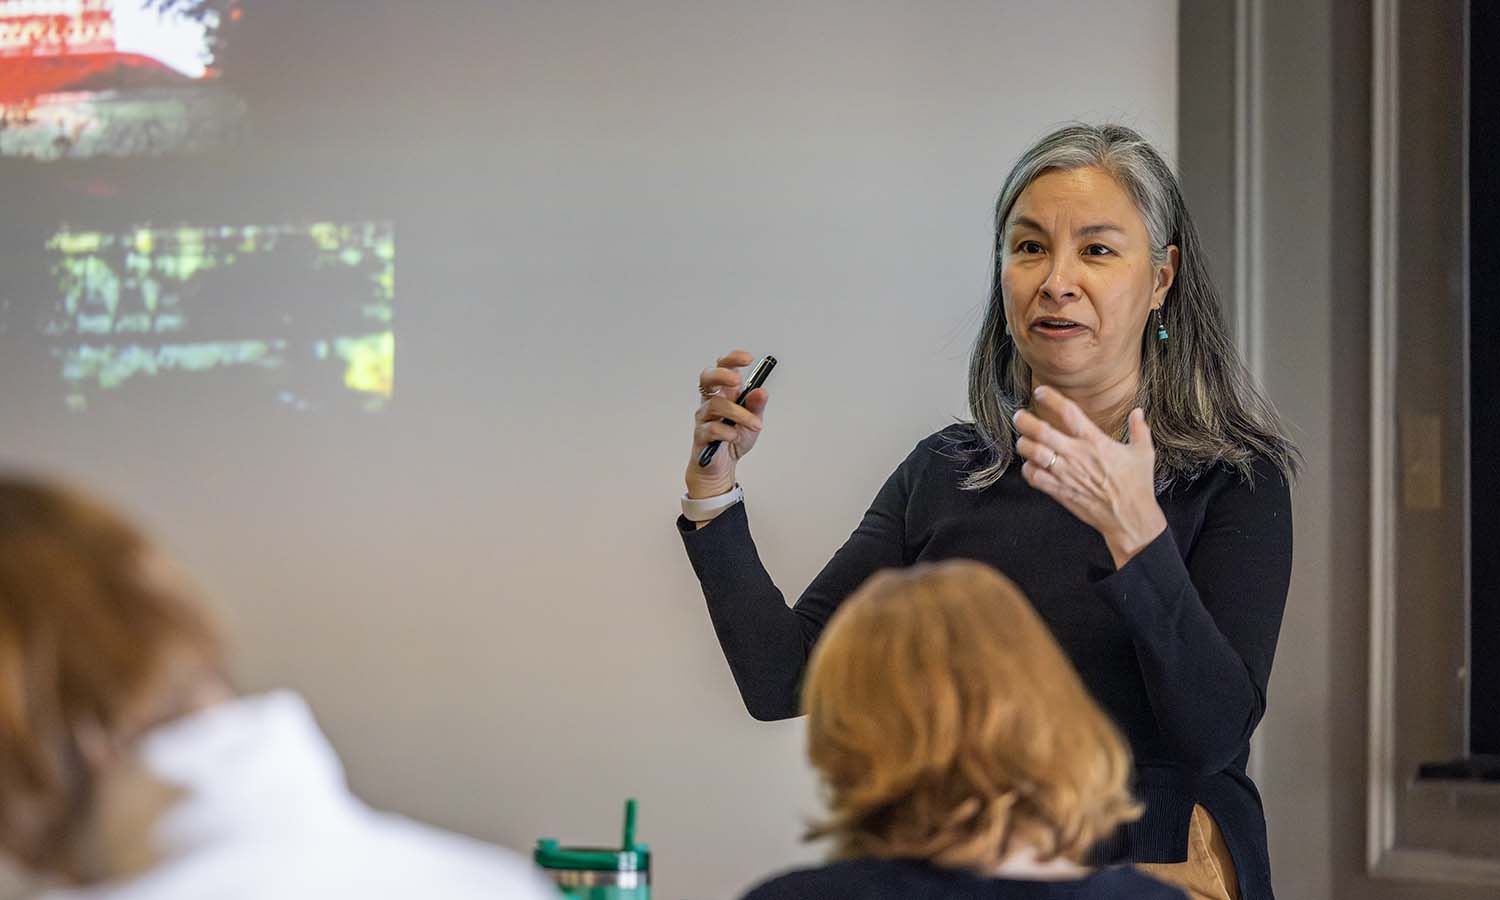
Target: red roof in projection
<point x="26" y="79"/>
<point x="47" y="53"/>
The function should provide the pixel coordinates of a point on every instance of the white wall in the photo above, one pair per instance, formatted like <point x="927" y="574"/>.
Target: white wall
<point x="481" y="590"/>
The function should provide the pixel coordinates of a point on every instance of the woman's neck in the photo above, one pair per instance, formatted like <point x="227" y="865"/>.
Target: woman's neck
<point x="1106" y="403"/>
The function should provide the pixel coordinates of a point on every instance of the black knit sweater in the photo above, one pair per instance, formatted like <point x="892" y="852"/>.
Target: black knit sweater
<point x="882" y="879"/>
<point x="1176" y="645"/>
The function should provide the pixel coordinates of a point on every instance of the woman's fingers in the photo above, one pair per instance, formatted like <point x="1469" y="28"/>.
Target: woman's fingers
<point x="1035" y="450"/>
<point x="757" y="401"/>
<point x="1040" y="478"/>
<point x="1073" y="420"/>
<point x="718" y="417"/>
<point x="1070" y="474"/>
<point x="1140" y="431"/>
<point x="1031" y="425"/>
<point x="735" y="359"/>
<point x="1048" y="483"/>
<point x="716" y="430"/>
<point x="724" y="376"/>
<point x="1081" y="503"/>
<point x="1075" y="464"/>
<point x="718" y="381"/>
<point x="720" y="385"/>
<point x="721" y="407"/>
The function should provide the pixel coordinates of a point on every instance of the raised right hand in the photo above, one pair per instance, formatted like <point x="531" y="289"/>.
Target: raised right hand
<point x="723" y="383"/>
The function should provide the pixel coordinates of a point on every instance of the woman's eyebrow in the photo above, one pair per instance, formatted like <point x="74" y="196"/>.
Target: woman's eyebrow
<point x="1023" y="222"/>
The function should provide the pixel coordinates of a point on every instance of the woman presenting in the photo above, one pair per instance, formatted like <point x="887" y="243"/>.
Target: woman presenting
<point x="1121" y="468"/>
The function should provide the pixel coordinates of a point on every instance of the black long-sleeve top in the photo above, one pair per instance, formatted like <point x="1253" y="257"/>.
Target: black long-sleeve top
<point x="899" y="879"/>
<point x="1176" y="645"/>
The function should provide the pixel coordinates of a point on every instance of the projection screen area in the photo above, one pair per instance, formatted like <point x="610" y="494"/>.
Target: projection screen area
<point x="387" y="317"/>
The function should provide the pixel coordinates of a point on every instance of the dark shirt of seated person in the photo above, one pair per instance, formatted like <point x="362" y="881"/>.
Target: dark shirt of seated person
<point x="960" y="755"/>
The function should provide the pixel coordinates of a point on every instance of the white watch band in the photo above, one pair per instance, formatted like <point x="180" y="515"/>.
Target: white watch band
<point x="704" y="509"/>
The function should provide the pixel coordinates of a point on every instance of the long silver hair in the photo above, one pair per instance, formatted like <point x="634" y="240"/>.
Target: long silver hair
<point x="1200" y="399"/>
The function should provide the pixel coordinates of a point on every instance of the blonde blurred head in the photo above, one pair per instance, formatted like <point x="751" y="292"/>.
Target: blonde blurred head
<point x="947" y="725"/>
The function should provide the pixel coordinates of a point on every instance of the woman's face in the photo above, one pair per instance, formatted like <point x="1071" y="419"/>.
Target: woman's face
<point x="1077" y="280"/>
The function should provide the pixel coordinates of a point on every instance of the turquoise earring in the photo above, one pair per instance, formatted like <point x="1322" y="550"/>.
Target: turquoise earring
<point x="1161" y="327"/>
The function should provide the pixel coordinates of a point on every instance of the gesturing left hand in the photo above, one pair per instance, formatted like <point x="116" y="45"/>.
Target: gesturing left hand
<point x="1105" y="483"/>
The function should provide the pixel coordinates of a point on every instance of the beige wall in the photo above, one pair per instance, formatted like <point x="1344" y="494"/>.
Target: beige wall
<point x="481" y="590"/>
<point x="1313" y="71"/>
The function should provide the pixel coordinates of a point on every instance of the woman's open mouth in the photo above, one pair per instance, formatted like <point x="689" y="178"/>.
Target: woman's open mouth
<point x="1055" y="327"/>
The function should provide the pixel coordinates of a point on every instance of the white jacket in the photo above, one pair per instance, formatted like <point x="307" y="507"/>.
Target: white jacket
<point x="264" y="813"/>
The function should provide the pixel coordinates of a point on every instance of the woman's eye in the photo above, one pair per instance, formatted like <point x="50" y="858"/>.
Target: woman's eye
<point x="1097" y="250"/>
<point x="1028" y="247"/>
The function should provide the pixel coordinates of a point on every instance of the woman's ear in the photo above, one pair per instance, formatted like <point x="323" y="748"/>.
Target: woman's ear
<point x="1166" y="273"/>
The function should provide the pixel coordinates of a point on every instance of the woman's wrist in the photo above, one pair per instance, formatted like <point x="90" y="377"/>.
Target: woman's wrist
<point x="1125" y="542"/>
<point x="701" y="488"/>
<point x="708" y="492"/>
<point x="705" y="509"/>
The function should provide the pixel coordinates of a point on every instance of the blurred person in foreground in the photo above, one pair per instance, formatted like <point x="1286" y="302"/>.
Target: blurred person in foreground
<point x="960" y="754"/>
<point x="130" y="769"/>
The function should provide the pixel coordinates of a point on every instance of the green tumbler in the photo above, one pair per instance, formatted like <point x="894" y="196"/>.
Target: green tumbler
<point x="597" y="873"/>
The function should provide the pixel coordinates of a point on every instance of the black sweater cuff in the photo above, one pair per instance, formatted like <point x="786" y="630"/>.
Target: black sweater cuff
<point x="1145" y="590"/>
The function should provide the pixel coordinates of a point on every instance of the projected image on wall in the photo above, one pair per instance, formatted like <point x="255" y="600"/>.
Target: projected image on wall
<point x="297" y="316"/>
<point x="87" y="78"/>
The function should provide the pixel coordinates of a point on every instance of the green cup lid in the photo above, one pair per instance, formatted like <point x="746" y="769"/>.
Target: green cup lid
<point x="631" y="857"/>
<point x="551" y="855"/>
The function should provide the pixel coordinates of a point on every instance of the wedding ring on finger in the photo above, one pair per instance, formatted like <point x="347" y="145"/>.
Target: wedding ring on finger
<point x="1051" y="462"/>
<point x="708" y="393"/>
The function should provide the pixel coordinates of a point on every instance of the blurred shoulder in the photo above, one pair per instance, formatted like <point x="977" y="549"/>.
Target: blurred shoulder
<point x="451" y="864"/>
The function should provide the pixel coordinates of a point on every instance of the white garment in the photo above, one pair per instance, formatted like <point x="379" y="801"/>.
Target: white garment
<point x="265" y="813"/>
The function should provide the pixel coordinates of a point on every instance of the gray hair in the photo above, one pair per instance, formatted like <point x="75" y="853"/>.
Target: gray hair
<point x="1200" y="399"/>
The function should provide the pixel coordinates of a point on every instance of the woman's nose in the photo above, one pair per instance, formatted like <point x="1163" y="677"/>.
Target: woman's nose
<point x="1061" y="283"/>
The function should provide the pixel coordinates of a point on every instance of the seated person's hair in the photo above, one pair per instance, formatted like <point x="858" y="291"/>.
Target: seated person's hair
<point x="948" y="726"/>
<point x="100" y="640"/>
